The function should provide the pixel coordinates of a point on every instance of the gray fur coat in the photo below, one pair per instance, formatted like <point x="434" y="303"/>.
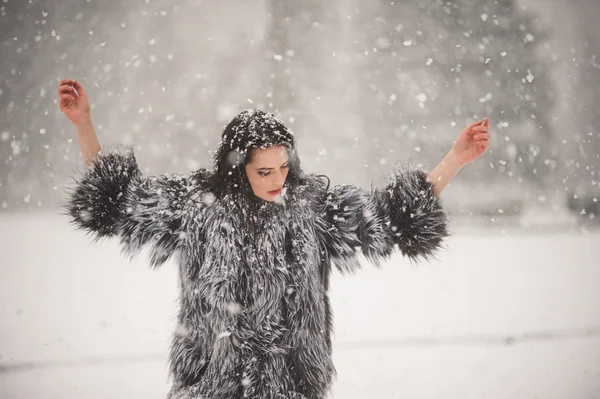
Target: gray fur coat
<point x="255" y="319"/>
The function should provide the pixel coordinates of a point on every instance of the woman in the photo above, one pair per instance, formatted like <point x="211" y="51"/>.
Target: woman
<point x="255" y="240"/>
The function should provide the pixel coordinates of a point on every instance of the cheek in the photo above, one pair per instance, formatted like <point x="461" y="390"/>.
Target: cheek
<point x="257" y="182"/>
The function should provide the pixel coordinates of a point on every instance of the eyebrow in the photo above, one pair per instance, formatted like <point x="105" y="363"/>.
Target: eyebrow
<point x="272" y="168"/>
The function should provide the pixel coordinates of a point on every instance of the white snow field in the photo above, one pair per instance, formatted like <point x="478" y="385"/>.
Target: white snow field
<point x="497" y="315"/>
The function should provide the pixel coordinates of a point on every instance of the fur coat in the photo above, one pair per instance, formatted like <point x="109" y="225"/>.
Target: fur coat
<point x="255" y="319"/>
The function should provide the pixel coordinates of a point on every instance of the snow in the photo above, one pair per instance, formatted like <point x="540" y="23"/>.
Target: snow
<point x="496" y="316"/>
<point x="510" y="313"/>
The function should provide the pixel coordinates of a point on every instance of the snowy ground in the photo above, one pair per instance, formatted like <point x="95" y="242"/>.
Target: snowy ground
<point x="499" y="315"/>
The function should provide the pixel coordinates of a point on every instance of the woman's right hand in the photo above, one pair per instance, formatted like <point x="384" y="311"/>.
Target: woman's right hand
<point x="75" y="105"/>
<point x="73" y="100"/>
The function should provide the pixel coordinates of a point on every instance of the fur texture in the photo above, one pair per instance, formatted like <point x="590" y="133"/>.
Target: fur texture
<point x="255" y="319"/>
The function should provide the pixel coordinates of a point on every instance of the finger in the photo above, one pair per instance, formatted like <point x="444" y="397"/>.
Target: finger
<point x="78" y="87"/>
<point x="486" y="122"/>
<point x="65" y="84"/>
<point x="472" y="125"/>
<point x="66" y="89"/>
<point x="69" y="82"/>
<point x="67" y="96"/>
<point x="73" y="83"/>
<point x="481" y="129"/>
<point x="482" y="136"/>
<point x="67" y="99"/>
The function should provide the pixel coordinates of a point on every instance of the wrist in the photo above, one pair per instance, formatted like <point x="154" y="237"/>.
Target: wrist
<point x="83" y="121"/>
<point x="454" y="158"/>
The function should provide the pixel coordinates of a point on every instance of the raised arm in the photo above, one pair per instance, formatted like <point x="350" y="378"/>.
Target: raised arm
<point x="472" y="142"/>
<point x="407" y="212"/>
<point x="74" y="103"/>
<point x="113" y="198"/>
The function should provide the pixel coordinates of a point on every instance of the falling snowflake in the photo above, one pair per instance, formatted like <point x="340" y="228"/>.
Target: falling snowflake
<point x="530" y="77"/>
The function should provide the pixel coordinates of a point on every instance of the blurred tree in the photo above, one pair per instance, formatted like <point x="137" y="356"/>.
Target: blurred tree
<point x="582" y="156"/>
<point x="33" y="146"/>
<point x="313" y="84"/>
<point x="161" y="76"/>
<point x="434" y="66"/>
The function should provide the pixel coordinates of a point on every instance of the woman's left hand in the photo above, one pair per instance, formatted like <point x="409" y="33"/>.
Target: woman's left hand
<point x="473" y="141"/>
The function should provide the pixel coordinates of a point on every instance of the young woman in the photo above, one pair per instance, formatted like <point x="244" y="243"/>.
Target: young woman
<point x="255" y="240"/>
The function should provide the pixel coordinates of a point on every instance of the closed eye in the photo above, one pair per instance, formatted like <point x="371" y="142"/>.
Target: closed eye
<point x="263" y="173"/>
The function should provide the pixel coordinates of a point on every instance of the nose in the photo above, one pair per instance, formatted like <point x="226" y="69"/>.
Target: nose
<point x="278" y="179"/>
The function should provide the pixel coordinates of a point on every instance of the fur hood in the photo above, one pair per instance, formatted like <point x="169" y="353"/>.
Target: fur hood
<point x="254" y="319"/>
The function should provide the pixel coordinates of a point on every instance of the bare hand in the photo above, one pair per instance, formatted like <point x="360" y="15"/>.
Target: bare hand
<point x="473" y="141"/>
<point x="73" y="100"/>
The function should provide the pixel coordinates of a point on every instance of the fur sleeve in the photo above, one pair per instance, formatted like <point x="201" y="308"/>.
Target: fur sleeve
<point x="112" y="198"/>
<point x="405" y="212"/>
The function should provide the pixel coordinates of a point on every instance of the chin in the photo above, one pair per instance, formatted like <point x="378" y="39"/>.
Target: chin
<point x="267" y="197"/>
<point x="273" y="198"/>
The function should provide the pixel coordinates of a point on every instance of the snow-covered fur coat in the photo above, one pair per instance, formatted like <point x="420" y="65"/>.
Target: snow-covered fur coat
<point x="255" y="319"/>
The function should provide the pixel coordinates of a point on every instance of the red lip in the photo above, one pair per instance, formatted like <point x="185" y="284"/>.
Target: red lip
<point x="275" y="192"/>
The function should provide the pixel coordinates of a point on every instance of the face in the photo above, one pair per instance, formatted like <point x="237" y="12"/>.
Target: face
<point x="267" y="171"/>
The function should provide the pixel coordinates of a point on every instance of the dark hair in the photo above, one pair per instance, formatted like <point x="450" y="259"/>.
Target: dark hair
<point x="248" y="130"/>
